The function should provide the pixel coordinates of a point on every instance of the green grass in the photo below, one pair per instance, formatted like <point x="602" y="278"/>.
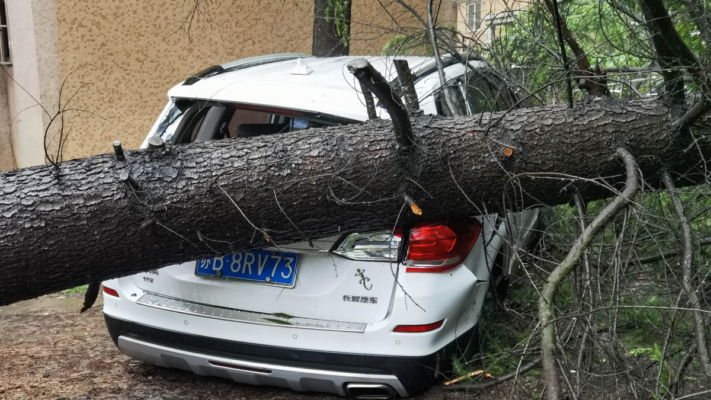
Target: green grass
<point x="78" y="289"/>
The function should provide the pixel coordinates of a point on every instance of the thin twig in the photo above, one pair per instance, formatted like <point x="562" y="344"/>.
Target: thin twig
<point x="545" y="304"/>
<point x="687" y="242"/>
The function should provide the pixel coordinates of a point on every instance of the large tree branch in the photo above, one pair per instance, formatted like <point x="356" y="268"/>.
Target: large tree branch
<point x="673" y="55"/>
<point x="88" y="225"/>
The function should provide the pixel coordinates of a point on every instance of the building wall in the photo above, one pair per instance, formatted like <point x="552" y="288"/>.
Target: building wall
<point x="374" y="23"/>
<point x="116" y="60"/>
<point x="489" y="8"/>
<point x="7" y="159"/>
<point x="32" y="40"/>
<point x="129" y="53"/>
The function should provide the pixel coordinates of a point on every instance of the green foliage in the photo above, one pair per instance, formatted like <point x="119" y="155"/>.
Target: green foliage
<point x="655" y="354"/>
<point x="339" y="11"/>
<point x="523" y="297"/>
<point x="610" y="40"/>
<point x="416" y="44"/>
<point x="461" y="369"/>
<point x="526" y="51"/>
<point x="649" y="228"/>
<point x="78" y="289"/>
<point x="394" y="46"/>
<point x="502" y="338"/>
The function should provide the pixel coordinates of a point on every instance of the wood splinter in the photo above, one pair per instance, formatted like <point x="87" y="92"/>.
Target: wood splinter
<point x="118" y="150"/>
<point x="410" y="202"/>
<point x="126" y="178"/>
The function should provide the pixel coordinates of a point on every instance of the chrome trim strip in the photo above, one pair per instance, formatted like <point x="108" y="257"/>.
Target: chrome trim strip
<point x="295" y="378"/>
<point x="229" y="314"/>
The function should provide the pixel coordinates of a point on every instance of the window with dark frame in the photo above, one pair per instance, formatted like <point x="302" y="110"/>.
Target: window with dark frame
<point x="4" y="36"/>
<point x="473" y="15"/>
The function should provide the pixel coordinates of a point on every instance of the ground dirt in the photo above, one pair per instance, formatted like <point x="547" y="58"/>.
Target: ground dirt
<point x="50" y="351"/>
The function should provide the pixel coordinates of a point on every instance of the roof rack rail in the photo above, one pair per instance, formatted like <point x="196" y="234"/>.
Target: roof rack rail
<point x="242" y="64"/>
<point x="209" y="71"/>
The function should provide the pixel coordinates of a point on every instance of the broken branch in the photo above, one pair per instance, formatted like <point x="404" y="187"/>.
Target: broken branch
<point x="370" y="78"/>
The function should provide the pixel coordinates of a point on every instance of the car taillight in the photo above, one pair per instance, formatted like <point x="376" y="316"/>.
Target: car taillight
<point x="111" y="292"/>
<point x="440" y="247"/>
<point x="378" y="246"/>
<point x="418" y="328"/>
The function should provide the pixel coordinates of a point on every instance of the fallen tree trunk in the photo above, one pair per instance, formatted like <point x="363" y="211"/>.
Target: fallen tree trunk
<point x="99" y="217"/>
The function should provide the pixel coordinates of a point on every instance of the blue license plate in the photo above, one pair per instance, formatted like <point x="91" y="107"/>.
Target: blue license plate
<point x="263" y="266"/>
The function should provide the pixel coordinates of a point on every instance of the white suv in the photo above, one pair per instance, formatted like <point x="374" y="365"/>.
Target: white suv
<point x="366" y="314"/>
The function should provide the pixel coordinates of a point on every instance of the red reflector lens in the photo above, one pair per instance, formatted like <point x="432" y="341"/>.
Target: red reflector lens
<point x="440" y="247"/>
<point x="431" y="242"/>
<point x="111" y="292"/>
<point x="418" y="328"/>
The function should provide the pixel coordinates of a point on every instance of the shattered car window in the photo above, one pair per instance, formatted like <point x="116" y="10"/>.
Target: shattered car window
<point x="167" y="127"/>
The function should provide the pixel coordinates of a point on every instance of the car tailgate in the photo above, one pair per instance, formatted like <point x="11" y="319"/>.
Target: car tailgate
<point x="328" y="287"/>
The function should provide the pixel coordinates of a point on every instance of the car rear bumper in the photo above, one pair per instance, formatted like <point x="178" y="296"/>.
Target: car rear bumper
<point x="302" y="370"/>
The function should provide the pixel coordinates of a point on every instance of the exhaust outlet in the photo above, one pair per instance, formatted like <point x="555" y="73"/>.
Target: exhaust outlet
<point x="370" y="391"/>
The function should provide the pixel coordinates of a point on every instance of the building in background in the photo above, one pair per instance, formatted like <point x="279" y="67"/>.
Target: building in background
<point x="113" y="61"/>
<point x="480" y="21"/>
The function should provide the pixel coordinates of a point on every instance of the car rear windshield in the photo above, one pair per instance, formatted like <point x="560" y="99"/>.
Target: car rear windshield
<point x="190" y="121"/>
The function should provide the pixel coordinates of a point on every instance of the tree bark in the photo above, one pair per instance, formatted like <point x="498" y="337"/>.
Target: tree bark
<point x="326" y="40"/>
<point x="99" y="217"/>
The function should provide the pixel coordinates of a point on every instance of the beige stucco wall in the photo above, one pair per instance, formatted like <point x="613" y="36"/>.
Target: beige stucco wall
<point x="117" y="59"/>
<point x="374" y="23"/>
<point x="128" y="53"/>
